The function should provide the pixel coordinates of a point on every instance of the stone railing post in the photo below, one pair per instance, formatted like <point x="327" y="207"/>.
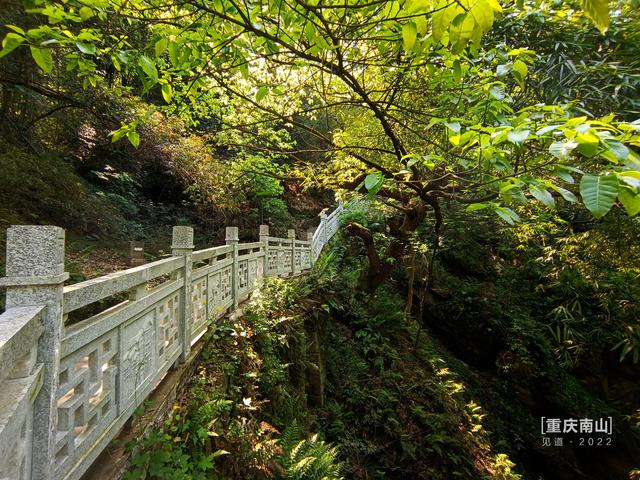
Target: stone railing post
<point x="264" y="239"/>
<point x="35" y="276"/>
<point x="232" y="238"/>
<point x="323" y="226"/>
<point x="291" y="235"/>
<point x="310" y="246"/>
<point x="182" y="246"/>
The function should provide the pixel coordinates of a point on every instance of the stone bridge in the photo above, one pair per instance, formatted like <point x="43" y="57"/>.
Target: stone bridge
<point x="66" y="390"/>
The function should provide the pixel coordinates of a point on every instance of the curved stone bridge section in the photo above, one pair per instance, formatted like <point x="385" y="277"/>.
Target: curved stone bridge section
<point x="66" y="390"/>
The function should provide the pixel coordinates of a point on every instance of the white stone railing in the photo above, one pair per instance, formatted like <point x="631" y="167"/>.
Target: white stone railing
<point x="328" y="227"/>
<point x="66" y="390"/>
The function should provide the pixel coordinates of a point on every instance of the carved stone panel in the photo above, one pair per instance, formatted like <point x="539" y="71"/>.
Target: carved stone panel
<point x="243" y="275"/>
<point x="168" y="315"/>
<point x="138" y="359"/>
<point x="86" y="396"/>
<point x="220" y="291"/>
<point x="253" y="272"/>
<point x="272" y="261"/>
<point x="227" y="273"/>
<point x="286" y="260"/>
<point x="215" y="293"/>
<point x="306" y="259"/>
<point x="199" y="301"/>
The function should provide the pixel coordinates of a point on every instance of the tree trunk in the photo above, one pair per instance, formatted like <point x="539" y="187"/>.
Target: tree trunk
<point x="380" y="269"/>
<point x="411" y="271"/>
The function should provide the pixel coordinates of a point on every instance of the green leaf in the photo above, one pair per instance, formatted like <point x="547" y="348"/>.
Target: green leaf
<point x="518" y="136"/>
<point x="507" y="214"/>
<point x="599" y="193"/>
<point x="562" y="150"/>
<point x="134" y="138"/>
<point x="161" y="46"/>
<point x="477" y="206"/>
<point x="457" y="71"/>
<point x="498" y="91"/>
<point x="519" y="72"/>
<point x="373" y="182"/>
<point x="167" y="92"/>
<point x="461" y="31"/>
<point x="219" y="453"/>
<point x="86" y="13"/>
<point x="10" y="43"/>
<point x="123" y="56"/>
<point x="629" y="199"/>
<point x="244" y="70"/>
<point x="547" y="129"/>
<point x="453" y="126"/>
<point x="566" y="194"/>
<point x="310" y="31"/>
<point x="511" y="192"/>
<point x="503" y="70"/>
<point x="542" y="195"/>
<point x="413" y="159"/>
<point x="15" y="28"/>
<point x="149" y="67"/>
<point x="631" y="178"/>
<point x="409" y="35"/>
<point x="174" y="54"/>
<point x="118" y="134"/>
<point x="262" y="92"/>
<point x="616" y="149"/>
<point x="86" y="48"/>
<point x="43" y="58"/>
<point x="598" y="11"/>
<point x="441" y="20"/>
<point x="587" y="144"/>
<point x="564" y="175"/>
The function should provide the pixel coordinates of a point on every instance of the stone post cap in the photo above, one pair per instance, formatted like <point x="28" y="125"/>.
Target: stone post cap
<point x="323" y="214"/>
<point x="182" y="237"/>
<point x="35" y="255"/>
<point x="231" y="235"/>
<point x="264" y="230"/>
<point x="310" y="233"/>
<point x="291" y="233"/>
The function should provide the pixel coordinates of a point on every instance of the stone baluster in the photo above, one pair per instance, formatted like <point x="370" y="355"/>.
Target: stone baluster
<point x="323" y="227"/>
<point x="310" y="246"/>
<point x="232" y="238"/>
<point x="264" y="239"/>
<point x="35" y="276"/>
<point x="291" y="235"/>
<point x="182" y="246"/>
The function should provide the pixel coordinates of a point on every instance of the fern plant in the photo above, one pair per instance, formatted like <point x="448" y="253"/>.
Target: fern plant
<point x="308" y="459"/>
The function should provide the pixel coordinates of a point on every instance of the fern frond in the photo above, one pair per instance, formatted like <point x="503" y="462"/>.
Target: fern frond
<point x="311" y="459"/>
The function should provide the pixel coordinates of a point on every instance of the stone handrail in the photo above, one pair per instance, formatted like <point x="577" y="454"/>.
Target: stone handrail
<point x="20" y="376"/>
<point x="66" y="390"/>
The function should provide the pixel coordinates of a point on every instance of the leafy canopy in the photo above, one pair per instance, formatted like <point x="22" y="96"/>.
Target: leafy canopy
<point x="409" y="100"/>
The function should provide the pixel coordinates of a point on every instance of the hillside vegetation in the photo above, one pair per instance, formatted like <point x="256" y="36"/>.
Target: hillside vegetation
<point x="487" y="278"/>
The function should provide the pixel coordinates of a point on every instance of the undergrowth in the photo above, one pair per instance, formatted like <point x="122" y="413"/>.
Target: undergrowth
<point x="385" y="396"/>
<point x="248" y="388"/>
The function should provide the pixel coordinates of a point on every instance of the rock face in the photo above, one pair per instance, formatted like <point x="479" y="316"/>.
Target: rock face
<point x="317" y="362"/>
